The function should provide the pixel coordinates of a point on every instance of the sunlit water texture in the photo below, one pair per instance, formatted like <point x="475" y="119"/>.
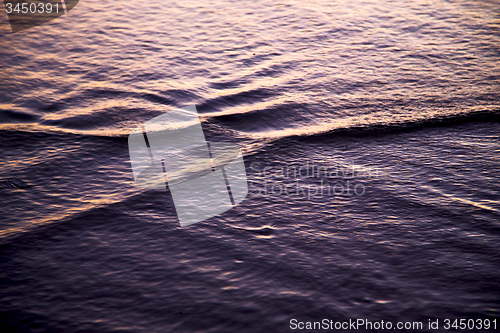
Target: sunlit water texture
<point x="399" y="98"/>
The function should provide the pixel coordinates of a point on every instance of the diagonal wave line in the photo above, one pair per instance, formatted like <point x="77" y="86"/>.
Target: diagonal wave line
<point x="64" y="7"/>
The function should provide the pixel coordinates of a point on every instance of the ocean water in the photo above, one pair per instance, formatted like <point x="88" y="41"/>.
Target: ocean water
<point x="370" y="134"/>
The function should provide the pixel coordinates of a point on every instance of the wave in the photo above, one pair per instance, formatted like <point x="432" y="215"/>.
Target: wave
<point x="392" y="128"/>
<point x="11" y="116"/>
<point x="264" y="124"/>
<point x="251" y="114"/>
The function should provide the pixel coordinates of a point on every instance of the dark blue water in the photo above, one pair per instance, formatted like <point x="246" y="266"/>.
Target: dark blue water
<point x="370" y="134"/>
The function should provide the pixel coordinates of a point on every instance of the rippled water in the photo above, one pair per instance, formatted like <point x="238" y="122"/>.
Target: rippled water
<point x="394" y="103"/>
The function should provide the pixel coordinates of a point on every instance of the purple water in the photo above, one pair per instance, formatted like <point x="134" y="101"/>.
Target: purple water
<point x="395" y="103"/>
